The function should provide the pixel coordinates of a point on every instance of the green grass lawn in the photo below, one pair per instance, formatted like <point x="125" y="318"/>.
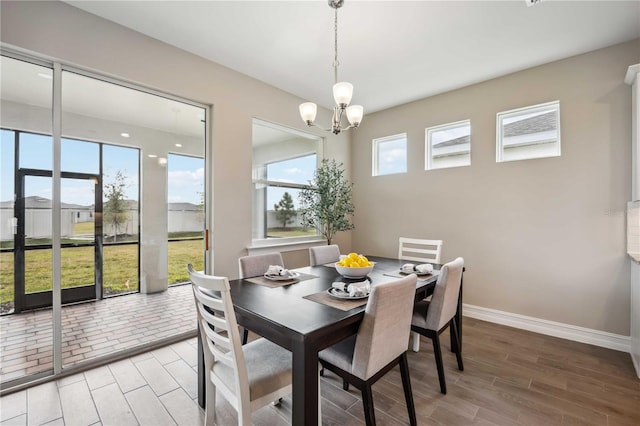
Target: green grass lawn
<point x="291" y="232"/>
<point x="120" y="267"/>
<point x="83" y="228"/>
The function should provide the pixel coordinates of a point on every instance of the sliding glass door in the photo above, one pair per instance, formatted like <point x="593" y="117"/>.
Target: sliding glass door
<point x="89" y="206"/>
<point x="33" y="243"/>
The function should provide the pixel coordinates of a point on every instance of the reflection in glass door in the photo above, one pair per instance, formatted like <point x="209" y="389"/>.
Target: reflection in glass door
<point x="33" y="261"/>
<point x="81" y="243"/>
<point x="81" y="255"/>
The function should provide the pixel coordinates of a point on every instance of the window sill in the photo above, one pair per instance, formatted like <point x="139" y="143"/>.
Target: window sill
<point x="283" y="245"/>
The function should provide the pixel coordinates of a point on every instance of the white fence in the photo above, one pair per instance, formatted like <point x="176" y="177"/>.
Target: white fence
<point x="38" y="222"/>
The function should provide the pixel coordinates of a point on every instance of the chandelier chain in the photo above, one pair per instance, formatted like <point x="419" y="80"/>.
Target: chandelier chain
<point x="335" y="47"/>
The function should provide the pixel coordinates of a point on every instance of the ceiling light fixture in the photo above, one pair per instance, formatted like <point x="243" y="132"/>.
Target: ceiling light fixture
<point x="342" y="92"/>
<point x="125" y="135"/>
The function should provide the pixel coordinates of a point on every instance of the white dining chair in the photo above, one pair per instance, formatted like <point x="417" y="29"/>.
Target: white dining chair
<point x="419" y="250"/>
<point x="321" y="255"/>
<point x="379" y="345"/>
<point x="248" y="376"/>
<point x="430" y="318"/>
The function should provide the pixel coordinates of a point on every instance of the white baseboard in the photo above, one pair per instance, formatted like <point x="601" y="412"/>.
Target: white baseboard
<point x="636" y="364"/>
<point x="550" y="328"/>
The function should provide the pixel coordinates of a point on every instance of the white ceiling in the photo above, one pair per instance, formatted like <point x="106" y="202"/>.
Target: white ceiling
<point x="392" y="52"/>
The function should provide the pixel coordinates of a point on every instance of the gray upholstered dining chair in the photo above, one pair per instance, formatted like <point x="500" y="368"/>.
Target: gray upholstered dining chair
<point x="254" y="266"/>
<point x="379" y="345"/>
<point x="430" y="318"/>
<point x="248" y="377"/>
<point x="322" y="255"/>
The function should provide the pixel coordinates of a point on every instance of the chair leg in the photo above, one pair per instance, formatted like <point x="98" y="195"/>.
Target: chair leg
<point x="319" y="402"/>
<point x="210" y="404"/>
<point x="245" y="336"/>
<point x="345" y="385"/>
<point x="438" y="354"/>
<point x="406" y="384"/>
<point x="416" y="341"/>
<point x="454" y="330"/>
<point x="367" y="401"/>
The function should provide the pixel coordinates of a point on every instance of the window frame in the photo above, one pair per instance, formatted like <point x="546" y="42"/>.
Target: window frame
<point x="260" y="179"/>
<point x="532" y="109"/>
<point x="428" y="132"/>
<point x="375" y="150"/>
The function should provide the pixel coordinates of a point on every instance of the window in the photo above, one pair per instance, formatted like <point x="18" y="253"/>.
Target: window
<point x="531" y="132"/>
<point x="284" y="161"/>
<point x="390" y="155"/>
<point x="448" y="145"/>
<point x="185" y="192"/>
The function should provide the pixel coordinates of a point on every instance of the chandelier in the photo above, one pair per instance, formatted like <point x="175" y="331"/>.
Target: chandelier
<point x="342" y="92"/>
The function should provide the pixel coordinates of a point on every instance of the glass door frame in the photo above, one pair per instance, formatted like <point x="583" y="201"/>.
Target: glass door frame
<point x="56" y="133"/>
<point x="27" y="301"/>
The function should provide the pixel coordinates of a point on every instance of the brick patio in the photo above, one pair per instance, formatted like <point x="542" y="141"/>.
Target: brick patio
<point x="92" y="329"/>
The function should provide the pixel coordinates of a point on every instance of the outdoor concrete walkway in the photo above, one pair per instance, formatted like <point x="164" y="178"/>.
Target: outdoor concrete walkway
<point x="93" y="329"/>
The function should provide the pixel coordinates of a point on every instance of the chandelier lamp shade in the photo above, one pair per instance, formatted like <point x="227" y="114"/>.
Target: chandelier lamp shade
<point x="342" y="93"/>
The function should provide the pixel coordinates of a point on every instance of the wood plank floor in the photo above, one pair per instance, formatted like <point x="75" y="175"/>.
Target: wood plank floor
<point x="511" y="377"/>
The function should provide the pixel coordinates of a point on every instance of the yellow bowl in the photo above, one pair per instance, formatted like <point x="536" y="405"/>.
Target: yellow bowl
<point x="354" y="272"/>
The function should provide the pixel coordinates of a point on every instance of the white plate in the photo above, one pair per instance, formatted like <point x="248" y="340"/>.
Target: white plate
<point x="415" y="272"/>
<point x="291" y="276"/>
<point x="343" y="294"/>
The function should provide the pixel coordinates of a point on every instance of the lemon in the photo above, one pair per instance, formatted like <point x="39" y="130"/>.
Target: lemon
<point x="354" y="260"/>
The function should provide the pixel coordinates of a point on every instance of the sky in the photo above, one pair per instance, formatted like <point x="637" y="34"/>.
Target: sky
<point x="298" y="170"/>
<point x="185" y="175"/>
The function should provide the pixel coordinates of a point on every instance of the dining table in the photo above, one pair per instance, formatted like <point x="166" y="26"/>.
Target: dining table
<point x="303" y="318"/>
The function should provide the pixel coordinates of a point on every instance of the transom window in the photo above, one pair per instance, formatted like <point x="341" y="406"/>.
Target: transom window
<point x="390" y="155"/>
<point x="531" y="132"/>
<point x="448" y="145"/>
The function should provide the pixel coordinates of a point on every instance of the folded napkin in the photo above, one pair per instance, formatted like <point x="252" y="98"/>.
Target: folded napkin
<point x="425" y="268"/>
<point x="360" y="288"/>
<point x="410" y="267"/>
<point x="277" y="270"/>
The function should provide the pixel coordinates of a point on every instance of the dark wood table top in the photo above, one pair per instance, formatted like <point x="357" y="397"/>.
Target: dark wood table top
<point x="285" y="316"/>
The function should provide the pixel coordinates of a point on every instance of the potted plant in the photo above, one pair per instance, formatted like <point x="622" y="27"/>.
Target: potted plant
<point x="326" y="202"/>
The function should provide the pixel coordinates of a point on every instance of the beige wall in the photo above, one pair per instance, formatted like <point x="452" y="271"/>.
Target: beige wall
<point x="72" y="36"/>
<point x="543" y="238"/>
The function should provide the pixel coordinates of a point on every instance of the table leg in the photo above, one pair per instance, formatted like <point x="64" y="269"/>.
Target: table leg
<point x="305" y="385"/>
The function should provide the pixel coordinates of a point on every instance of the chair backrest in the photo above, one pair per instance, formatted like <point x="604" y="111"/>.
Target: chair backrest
<point x="384" y="332"/>
<point x="220" y="337"/>
<point x="324" y="254"/>
<point x="419" y="250"/>
<point x="254" y="266"/>
<point x="444" y="301"/>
